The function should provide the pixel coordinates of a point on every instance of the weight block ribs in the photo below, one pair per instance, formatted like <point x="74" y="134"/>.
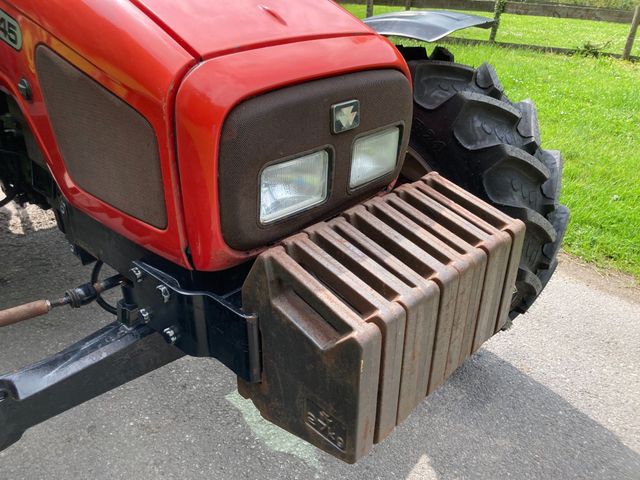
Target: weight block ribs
<point x="364" y="315"/>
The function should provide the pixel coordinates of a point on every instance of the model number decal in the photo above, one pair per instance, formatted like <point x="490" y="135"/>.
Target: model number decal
<point x="10" y="31"/>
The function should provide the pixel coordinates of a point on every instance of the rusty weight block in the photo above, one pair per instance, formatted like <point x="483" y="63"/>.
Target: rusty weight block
<point x="364" y="315"/>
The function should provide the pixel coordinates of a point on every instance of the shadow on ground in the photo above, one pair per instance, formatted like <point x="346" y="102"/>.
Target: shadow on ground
<point x="493" y="421"/>
<point x="490" y="421"/>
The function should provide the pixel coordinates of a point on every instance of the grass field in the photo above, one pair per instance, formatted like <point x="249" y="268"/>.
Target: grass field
<point x="544" y="31"/>
<point x="589" y="108"/>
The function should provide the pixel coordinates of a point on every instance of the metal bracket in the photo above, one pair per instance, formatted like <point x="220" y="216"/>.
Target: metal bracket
<point x="155" y="315"/>
<point x="208" y="324"/>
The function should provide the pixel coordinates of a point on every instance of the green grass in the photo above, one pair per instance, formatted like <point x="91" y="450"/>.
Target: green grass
<point x="544" y="31"/>
<point x="589" y="108"/>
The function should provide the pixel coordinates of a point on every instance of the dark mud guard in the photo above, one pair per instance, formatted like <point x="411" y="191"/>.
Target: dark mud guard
<point x="362" y="316"/>
<point x="100" y="362"/>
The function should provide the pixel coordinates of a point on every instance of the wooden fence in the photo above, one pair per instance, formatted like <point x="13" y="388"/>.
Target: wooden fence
<point x="517" y="8"/>
<point x="498" y="7"/>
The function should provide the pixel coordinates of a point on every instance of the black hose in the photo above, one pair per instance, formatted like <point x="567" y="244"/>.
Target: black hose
<point x="11" y="194"/>
<point x="95" y="275"/>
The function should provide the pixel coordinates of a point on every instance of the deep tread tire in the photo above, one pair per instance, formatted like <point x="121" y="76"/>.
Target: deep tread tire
<point x="468" y="130"/>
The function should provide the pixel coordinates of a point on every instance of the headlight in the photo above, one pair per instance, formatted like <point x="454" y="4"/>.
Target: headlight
<point x="293" y="186"/>
<point x="374" y="156"/>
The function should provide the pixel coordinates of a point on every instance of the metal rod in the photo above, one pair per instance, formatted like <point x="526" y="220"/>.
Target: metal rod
<point x="77" y="297"/>
<point x="24" y="312"/>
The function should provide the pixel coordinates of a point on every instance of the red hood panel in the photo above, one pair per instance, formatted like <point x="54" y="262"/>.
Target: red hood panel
<point x="213" y="27"/>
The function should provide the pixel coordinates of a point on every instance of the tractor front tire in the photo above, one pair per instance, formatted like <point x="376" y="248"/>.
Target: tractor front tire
<point x="465" y="128"/>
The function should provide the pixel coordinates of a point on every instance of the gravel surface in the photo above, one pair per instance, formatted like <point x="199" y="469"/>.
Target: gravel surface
<point x="557" y="396"/>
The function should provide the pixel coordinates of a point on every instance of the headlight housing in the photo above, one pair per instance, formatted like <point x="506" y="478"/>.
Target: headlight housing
<point x="293" y="186"/>
<point x="292" y="122"/>
<point x="374" y="156"/>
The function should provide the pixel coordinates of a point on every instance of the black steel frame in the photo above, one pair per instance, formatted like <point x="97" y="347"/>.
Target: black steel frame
<point x="101" y="362"/>
<point x="166" y="312"/>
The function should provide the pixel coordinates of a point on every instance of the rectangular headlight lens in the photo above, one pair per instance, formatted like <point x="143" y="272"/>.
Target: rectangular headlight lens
<point x="374" y="156"/>
<point x="293" y="186"/>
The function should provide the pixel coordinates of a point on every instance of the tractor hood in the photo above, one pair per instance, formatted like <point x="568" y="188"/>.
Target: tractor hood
<point x="211" y="28"/>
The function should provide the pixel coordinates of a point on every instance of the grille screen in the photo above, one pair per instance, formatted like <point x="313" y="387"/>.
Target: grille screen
<point x="109" y="149"/>
<point x="294" y="121"/>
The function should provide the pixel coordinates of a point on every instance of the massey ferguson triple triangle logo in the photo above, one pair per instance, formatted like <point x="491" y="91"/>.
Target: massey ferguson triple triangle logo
<point x="346" y="116"/>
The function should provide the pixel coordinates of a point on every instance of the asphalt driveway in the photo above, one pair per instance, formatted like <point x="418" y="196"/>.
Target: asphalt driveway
<point x="557" y="396"/>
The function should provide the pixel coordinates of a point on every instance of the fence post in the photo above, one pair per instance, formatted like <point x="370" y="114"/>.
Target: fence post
<point x="626" y="53"/>
<point x="497" y="12"/>
<point x="407" y="4"/>
<point x="369" y="8"/>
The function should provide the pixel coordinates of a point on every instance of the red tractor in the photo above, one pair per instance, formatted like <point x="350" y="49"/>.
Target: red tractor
<point x="338" y="220"/>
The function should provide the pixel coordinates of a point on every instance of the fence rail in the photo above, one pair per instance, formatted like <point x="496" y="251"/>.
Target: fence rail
<point x="498" y="7"/>
<point x="517" y="8"/>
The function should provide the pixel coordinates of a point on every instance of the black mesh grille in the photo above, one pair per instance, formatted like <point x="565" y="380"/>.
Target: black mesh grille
<point x="109" y="149"/>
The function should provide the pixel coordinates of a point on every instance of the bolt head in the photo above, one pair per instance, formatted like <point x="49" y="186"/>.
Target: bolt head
<point x="144" y="315"/>
<point x="170" y="335"/>
<point x="137" y="274"/>
<point x="25" y="89"/>
<point x="164" y="291"/>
